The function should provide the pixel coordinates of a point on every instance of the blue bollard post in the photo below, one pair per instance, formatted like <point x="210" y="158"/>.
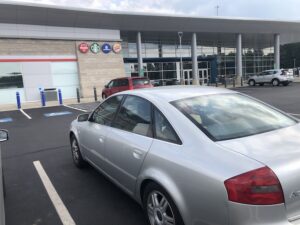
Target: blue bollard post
<point x="60" y="97"/>
<point x="18" y="100"/>
<point x="43" y="99"/>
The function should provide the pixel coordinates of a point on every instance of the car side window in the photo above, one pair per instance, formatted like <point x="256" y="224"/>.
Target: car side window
<point x="124" y="82"/>
<point x="106" y="112"/>
<point x="117" y="83"/>
<point x="135" y="116"/>
<point x="163" y="129"/>
<point x="111" y="84"/>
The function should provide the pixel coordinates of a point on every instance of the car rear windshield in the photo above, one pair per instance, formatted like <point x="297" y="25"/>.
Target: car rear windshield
<point x="140" y="81"/>
<point x="230" y="116"/>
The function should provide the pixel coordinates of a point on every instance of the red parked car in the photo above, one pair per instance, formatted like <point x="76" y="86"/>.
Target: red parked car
<point x="124" y="84"/>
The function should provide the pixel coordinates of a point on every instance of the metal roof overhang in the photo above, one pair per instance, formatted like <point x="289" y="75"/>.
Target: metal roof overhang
<point x="156" y="27"/>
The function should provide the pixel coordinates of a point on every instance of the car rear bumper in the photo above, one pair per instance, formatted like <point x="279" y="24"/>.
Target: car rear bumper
<point x="241" y="214"/>
<point x="287" y="79"/>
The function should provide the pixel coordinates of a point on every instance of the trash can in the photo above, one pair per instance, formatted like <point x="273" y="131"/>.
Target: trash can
<point x="50" y="94"/>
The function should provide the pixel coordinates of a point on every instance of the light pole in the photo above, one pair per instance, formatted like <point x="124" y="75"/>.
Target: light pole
<point x="180" y="34"/>
<point x="217" y="7"/>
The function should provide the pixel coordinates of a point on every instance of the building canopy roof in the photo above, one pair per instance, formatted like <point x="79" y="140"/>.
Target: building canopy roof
<point x="154" y="27"/>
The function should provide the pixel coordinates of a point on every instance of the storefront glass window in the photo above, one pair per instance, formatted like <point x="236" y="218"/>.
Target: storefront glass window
<point x="10" y="76"/>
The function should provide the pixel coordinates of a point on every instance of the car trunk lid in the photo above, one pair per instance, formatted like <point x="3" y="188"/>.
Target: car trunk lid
<point x="280" y="151"/>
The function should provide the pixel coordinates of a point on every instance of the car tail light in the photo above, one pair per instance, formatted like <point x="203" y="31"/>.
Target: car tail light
<point x="257" y="187"/>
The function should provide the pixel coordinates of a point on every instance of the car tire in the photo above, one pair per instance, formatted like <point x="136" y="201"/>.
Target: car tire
<point x="252" y="82"/>
<point x="275" y="82"/>
<point x="76" y="154"/>
<point x="159" y="207"/>
<point x="104" y="96"/>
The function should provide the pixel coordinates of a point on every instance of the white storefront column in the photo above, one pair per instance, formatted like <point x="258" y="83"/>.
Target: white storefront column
<point x="139" y="54"/>
<point x="195" y="60"/>
<point x="277" y="51"/>
<point x="239" y="59"/>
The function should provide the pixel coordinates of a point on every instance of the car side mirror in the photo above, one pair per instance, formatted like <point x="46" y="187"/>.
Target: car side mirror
<point x="106" y="86"/>
<point x="3" y="135"/>
<point x="83" y="117"/>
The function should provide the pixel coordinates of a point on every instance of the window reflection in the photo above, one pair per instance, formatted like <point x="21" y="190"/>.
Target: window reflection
<point x="10" y="76"/>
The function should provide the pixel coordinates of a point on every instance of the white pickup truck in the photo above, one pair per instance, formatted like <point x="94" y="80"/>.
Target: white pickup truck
<point x="3" y="137"/>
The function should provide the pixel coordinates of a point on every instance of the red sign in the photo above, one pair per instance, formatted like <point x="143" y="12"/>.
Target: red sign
<point x="83" y="47"/>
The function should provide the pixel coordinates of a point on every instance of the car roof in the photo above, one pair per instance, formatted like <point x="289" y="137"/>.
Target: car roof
<point x="130" y="78"/>
<point x="173" y="93"/>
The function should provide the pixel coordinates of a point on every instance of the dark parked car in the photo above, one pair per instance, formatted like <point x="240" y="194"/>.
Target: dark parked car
<point x="124" y="84"/>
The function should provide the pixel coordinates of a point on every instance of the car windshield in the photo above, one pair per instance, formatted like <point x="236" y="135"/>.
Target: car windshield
<point x="140" y="81"/>
<point x="230" y="116"/>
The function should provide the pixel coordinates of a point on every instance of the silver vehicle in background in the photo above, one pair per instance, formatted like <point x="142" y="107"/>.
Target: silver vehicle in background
<point x="273" y="77"/>
<point x="3" y="137"/>
<point x="195" y="155"/>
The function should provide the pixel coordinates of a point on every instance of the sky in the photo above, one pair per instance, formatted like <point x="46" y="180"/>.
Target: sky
<point x="263" y="9"/>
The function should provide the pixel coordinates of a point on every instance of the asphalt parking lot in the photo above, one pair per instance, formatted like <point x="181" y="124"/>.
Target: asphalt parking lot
<point x="284" y="98"/>
<point x="89" y="197"/>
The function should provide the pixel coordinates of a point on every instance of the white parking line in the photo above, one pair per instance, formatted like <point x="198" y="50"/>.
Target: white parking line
<point x="82" y="110"/>
<point x="60" y="208"/>
<point x="25" y="114"/>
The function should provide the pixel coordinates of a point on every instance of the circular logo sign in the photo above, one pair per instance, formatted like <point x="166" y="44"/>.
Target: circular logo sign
<point x="95" y="48"/>
<point x="83" y="47"/>
<point x="117" y="48"/>
<point x="106" y="48"/>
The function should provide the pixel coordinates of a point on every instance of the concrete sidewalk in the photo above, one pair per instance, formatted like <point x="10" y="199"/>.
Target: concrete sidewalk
<point x="33" y="105"/>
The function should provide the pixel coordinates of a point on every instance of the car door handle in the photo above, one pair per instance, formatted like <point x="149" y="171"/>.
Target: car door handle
<point x="137" y="154"/>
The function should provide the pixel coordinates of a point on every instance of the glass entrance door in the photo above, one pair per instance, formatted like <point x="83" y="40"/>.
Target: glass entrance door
<point x="188" y="77"/>
<point x="203" y="76"/>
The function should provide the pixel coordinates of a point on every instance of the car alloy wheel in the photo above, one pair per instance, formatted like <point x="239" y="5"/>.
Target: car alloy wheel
<point x="275" y="82"/>
<point x="252" y="83"/>
<point x="159" y="209"/>
<point x="76" y="154"/>
<point x="75" y="150"/>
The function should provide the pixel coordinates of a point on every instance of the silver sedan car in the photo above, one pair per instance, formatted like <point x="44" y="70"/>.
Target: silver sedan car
<point x="196" y="155"/>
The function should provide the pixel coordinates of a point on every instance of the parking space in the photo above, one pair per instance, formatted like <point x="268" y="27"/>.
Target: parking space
<point x="88" y="196"/>
<point x="11" y="116"/>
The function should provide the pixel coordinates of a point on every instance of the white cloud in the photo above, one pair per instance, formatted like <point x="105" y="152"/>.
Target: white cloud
<point x="271" y="9"/>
